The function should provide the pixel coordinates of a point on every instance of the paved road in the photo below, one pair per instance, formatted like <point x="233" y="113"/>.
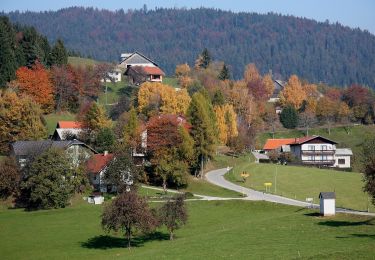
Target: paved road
<point x="217" y="177"/>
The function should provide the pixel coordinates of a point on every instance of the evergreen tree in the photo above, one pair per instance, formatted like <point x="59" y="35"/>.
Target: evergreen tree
<point x="8" y="64"/>
<point x="205" y="59"/>
<point x="204" y="130"/>
<point x="59" y="55"/>
<point x="289" y="117"/>
<point x="224" y="73"/>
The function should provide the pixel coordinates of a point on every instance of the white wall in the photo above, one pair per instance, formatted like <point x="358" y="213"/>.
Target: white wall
<point x="346" y="158"/>
<point x="327" y="207"/>
<point x="330" y="147"/>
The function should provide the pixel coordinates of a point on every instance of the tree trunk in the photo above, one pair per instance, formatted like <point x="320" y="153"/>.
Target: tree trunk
<point x="171" y="235"/>
<point x="128" y="237"/>
<point x="165" y="186"/>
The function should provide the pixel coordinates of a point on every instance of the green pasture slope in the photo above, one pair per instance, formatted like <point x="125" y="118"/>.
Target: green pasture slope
<point x="354" y="140"/>
<point x="78" y="61"/>
<point x="299" y="183"/>
<point x="53" y="118"/>
<point x="216" y="229"/>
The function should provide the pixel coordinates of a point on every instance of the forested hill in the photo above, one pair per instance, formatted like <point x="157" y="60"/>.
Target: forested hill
<point x="329" y="53"/>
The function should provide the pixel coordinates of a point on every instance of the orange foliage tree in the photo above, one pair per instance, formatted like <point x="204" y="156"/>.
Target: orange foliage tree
<point x="293" y="94"/>
<point x="36" y="83"/>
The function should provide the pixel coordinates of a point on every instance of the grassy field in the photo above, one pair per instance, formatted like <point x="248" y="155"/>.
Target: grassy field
<point x="171" y="81"/>
<point x="52" y="119"/>
<point x="303" y="182"/>
<point x="114" y="92"/>
<point x="354" y="140"/>
<point x="225" y="229"/>
<point x="77" y="61"/>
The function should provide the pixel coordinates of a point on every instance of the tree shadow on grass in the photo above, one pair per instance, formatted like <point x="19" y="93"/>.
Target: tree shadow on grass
<point x="107" y="242"/>
<point x="364" y="235"/>
<point x="335" y="223"/>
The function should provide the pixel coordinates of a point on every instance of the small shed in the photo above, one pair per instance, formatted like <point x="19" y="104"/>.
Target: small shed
<point x="327" y="203"/>
<point x="95" y="198"/>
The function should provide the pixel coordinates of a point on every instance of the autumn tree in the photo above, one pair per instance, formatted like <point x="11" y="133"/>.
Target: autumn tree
<point x="95" y="119"/>
<point x="369" y="165"/>
<point x="21" y="119"/>
<point x="49" y="181"/>
<point x="182" y="70"/>
<point x="293" y="94"/>
<point x="166" y="147"/>
<point x="35" y="82"/>
<point x="271" y="118"/>
<point x="360" y="100"/>
<point x="173" y="214"/>
<point x="306" y="120"/>
<point x="326" y="111"/>
<point x="10" y="177"/>
<point x="251" y="73"/>
<point x="128" y="212"/>
<point x="226" y="120"/>
<point x="204" y="59"/>
<point x="157" y="97"/>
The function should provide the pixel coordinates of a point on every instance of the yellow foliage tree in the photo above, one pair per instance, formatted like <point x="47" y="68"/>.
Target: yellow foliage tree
<point x="226" y="122"/>
<point x="293" y="94"/>
<point x="182" y="70"/>
<point x="268" y="85"/>
<point x="251" y="73"/>
<point x="157" y="97"/>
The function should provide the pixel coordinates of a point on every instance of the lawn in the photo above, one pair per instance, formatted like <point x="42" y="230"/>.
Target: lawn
<point x="114" y="92"/>
<point x="77" y="61"/>
<point x="354" y="140"/>
<point x="52" y="119"/>
<point x="225" y="229"/>
<point x="303" y="182"/>
<point x="171" y="81"/>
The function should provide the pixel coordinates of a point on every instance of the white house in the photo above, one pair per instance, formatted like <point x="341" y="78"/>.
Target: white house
<point x="327" y="203"/>
<point x="315" y="150"/>
<point x="67" y="130"/>
<point x="342" y="157"/>
<point x="135" y="59"/>
<point x="114" y="76"/>
<point x="96" y="167"/>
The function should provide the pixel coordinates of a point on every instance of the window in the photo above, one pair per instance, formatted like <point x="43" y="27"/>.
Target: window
<point x="324" y="157"/>
<point x="311" y="147"/>
<point x="324" y="147"/>
<point x="311" y="158"/>
<point x="341" y="161"/>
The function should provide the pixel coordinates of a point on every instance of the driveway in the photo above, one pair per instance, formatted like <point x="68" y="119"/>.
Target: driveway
<point x="217" y="177"/>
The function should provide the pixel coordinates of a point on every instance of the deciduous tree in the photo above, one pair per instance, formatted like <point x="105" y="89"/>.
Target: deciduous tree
<point x="21" y="119"/>
<point x="293" y="94"/>
<point x="369" y="163"/>
<point x="10" y="177"/>
<point x="128" y="212"/>
<point x="173" y="214"/>
<point x="36" y="83"/>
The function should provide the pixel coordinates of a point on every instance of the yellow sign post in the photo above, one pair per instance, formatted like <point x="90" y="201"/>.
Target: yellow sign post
<point x="268" y="186"/>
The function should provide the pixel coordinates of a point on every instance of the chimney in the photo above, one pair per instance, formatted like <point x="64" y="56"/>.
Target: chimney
<point x="105" y="153"/>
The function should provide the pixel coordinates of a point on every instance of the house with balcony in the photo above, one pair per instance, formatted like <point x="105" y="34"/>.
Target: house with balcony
<point x="312" y="150"/>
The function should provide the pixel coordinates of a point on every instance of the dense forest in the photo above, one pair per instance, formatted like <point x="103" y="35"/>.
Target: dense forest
<point x="318" y="52"/>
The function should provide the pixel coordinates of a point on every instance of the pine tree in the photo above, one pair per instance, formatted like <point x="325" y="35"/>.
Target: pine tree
<point x="8" y="64"/>
<point x="224" y="73"/>
<point x="59" y="55"/>
<point x="206" y="59"/>
<point x="289" y="117"/>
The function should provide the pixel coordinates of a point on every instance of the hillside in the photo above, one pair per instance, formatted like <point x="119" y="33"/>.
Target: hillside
<point x="318" y="52"/>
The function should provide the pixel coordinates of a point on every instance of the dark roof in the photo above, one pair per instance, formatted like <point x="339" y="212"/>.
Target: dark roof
<point x="138" y="58"/>
<point x="278" y="87"/>
<point x="327" y="195"/>
<point x="25" y="148"/>
<point x="302" y="140"/>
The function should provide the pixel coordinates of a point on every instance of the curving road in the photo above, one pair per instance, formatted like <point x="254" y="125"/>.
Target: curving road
<point x="217" y="177"/>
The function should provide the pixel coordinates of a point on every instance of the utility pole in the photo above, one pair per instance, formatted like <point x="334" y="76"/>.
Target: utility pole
<point x="276" y="180"/>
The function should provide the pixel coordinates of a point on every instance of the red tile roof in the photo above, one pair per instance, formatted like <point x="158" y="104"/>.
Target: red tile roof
<point x="153" y="70"/>
<point x="69" y="124"/>
<point x="97" y="162"/>
<point x="272" y="144"/>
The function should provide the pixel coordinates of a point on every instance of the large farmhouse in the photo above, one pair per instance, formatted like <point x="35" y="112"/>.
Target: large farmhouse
<point x="312" y="150"/>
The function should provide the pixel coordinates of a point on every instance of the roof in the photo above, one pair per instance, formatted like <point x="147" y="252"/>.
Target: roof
<point x="26" y="148"/>
<point x="63" y="132"/>
<point x="145" y="70"/>
<point x="98" y="162"/>
<point x="343" y="151"/>
<point x="136" y="58"/>
<point x="302" y="140"/>
<point x="272" y="144"/>
<point x="153" y="70"/>
<point x="327" y="195"/>
<point x="68" y="124"/>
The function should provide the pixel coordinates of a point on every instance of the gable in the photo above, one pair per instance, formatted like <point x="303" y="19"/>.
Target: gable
<point x="137" y="59"/>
